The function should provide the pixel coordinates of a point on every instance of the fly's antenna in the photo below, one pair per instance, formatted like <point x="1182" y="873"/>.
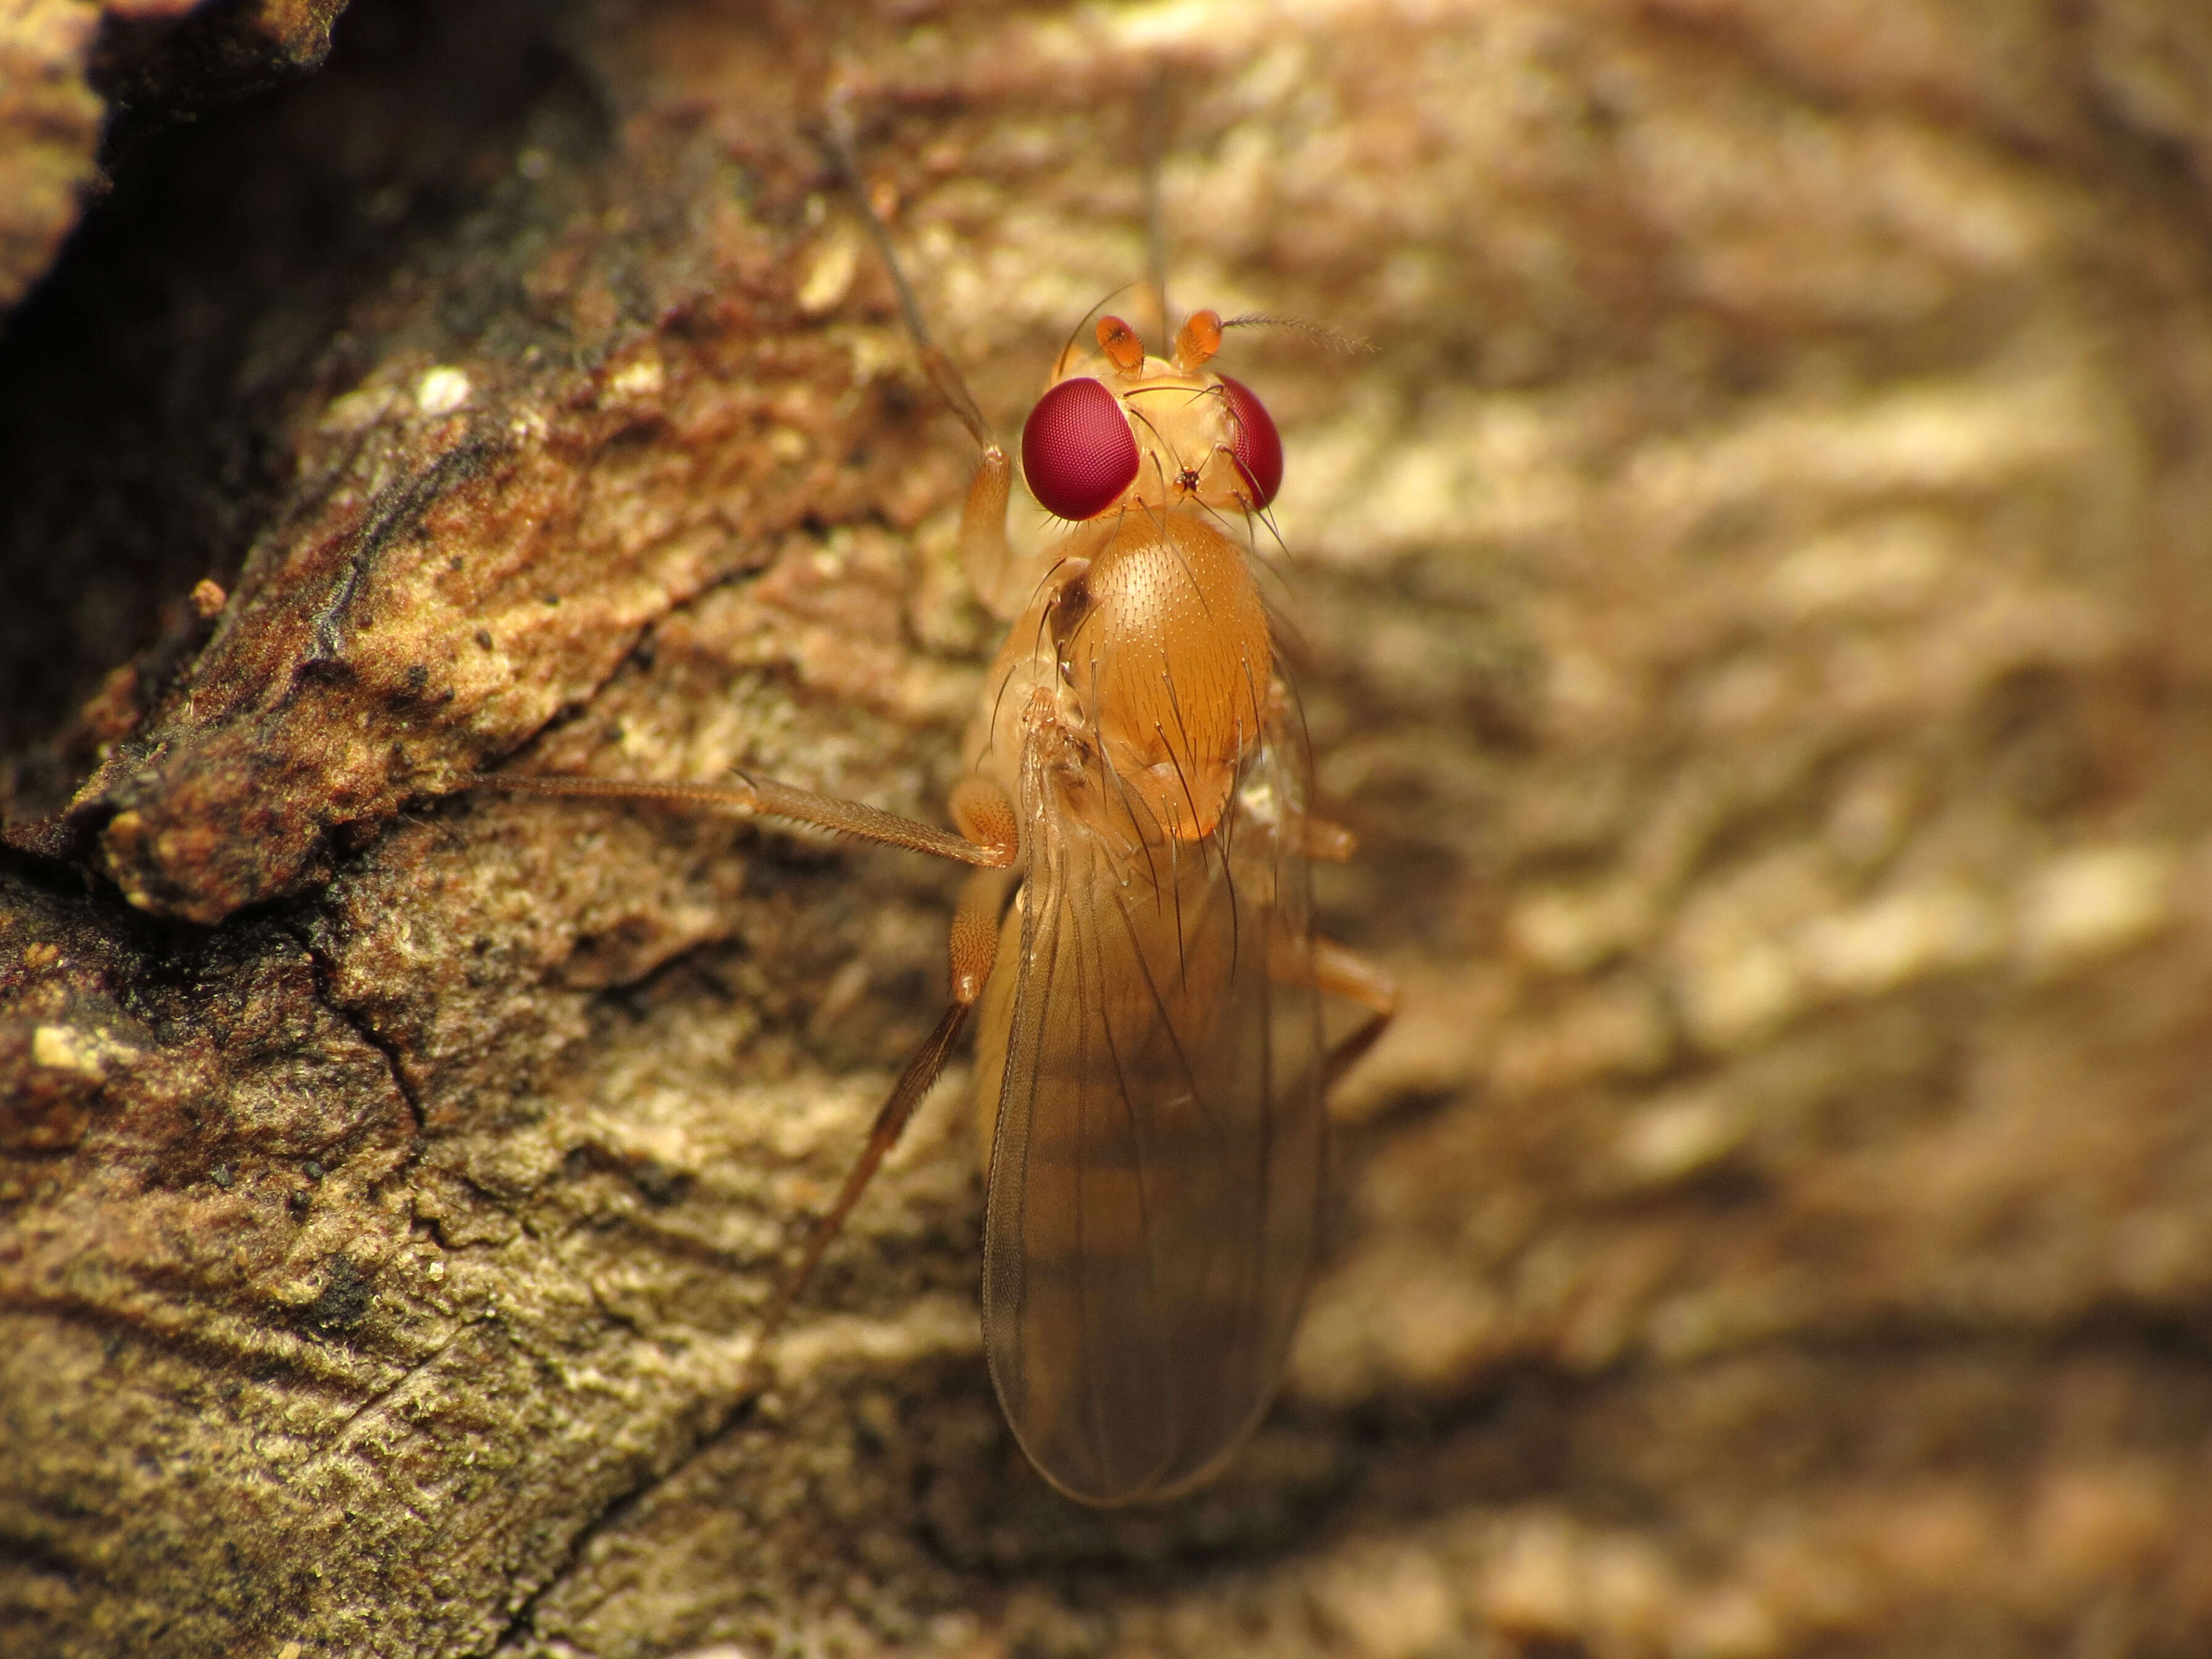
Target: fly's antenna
<point x="832" y="133"/>
<point x="1067" y="346"/>
<point x="1152" y="130"/>
<point x="1335" y="339"/>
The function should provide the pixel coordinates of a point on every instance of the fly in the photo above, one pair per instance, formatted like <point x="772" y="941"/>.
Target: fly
<point x="1134" y="942"/>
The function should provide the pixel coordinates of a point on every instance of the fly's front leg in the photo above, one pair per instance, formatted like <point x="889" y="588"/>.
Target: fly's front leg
<point x="984" y="553"/>
<point x="983" y="550"/>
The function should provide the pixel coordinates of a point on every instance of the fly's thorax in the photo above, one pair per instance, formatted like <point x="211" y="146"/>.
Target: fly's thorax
<point x="1140" y="678"/>
<point x="1162" y="645"/>
<point x="1025" y="692"/>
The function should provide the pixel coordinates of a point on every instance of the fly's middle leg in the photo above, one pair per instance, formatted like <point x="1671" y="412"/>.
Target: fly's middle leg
<point x="992" y="847"/>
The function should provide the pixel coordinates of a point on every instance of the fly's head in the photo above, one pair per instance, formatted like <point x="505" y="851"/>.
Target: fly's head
<point x="1120" y="429"/>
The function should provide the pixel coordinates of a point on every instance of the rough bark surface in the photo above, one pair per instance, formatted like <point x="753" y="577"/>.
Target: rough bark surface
<point x="1755" y="607"/>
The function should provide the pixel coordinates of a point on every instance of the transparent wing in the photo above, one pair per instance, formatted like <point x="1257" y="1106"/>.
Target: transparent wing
<point x="1156" y="1174"/>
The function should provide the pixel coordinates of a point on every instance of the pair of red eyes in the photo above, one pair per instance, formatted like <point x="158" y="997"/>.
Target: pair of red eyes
<point x="1079" y="454"/>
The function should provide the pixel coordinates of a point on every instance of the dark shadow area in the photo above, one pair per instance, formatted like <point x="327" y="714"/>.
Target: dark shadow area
<point x="146" y="381"/>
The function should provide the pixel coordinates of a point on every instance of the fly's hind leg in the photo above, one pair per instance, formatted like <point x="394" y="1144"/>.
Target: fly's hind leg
<point x="988" y="839"/>
<point x="1345" y="973"/>
<point x="987" y="820"/>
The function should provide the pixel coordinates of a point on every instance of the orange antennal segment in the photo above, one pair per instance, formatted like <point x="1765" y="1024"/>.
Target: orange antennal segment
<point x="1199" y="339"/>
<point x="1121" y="344"/>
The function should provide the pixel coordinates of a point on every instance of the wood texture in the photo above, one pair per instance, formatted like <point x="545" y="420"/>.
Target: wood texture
<point x="1752" y="606"/>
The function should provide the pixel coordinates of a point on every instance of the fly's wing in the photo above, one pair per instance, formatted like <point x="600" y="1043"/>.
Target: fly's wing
<point x="1156" y="1175"/>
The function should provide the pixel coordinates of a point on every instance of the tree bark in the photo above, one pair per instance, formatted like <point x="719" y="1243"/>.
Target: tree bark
<point x="1753" y="605"/>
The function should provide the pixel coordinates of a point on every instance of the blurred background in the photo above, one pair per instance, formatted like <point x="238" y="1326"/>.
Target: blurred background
<point x="1753" y="605"/>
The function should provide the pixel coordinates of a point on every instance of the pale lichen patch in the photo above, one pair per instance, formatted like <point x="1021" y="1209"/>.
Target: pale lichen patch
<point x="88" y="1055"/>
<point x="442" y="390"/>
<point x="2093" y="902"/>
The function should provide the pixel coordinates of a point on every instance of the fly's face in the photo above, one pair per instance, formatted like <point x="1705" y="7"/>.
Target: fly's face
<point x="1196" y="440"/>
<point x="1118" y="429"/>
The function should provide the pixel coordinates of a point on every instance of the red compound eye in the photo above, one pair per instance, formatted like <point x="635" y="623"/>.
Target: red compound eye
<point x="1077" y="451"/>
<point x="1256" y="445"/>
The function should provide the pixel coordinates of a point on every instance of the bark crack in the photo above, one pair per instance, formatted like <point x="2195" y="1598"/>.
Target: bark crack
<point x="728" y="1418"/>
<point x="324" y="977"/>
